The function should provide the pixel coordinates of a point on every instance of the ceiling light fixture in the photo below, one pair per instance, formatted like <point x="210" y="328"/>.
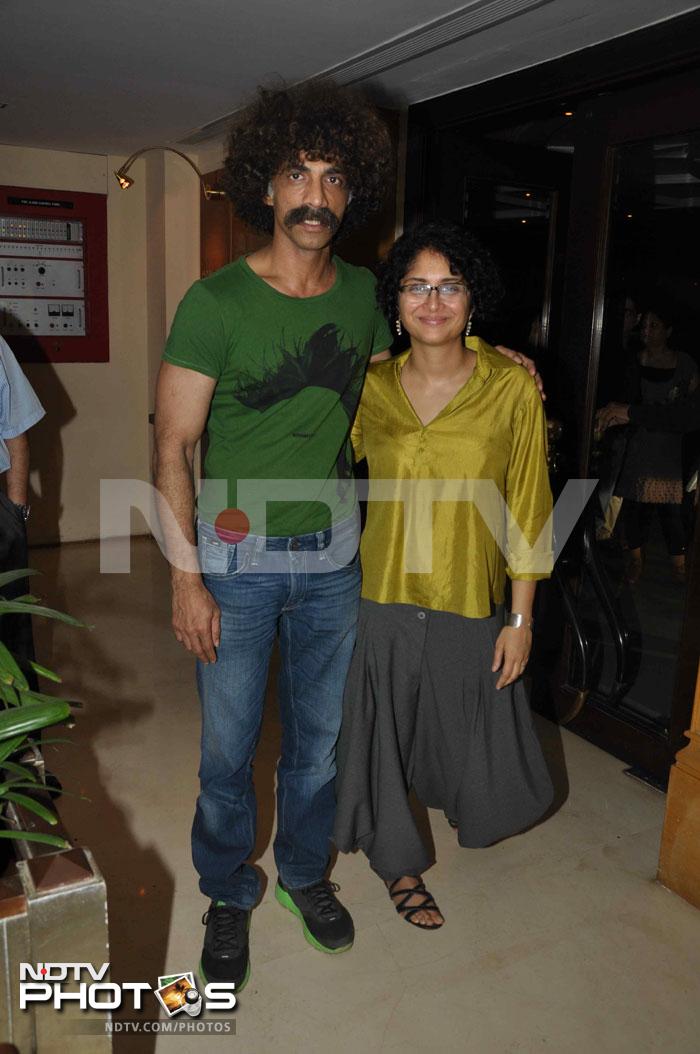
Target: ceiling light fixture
<point x="125" y="181"/>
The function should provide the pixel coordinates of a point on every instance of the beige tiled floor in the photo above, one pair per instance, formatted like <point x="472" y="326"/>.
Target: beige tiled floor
<point x="557" y="940"/>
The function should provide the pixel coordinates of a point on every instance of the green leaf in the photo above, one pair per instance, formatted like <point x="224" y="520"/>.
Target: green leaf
<point x="32" y="716"/>
<point x="9" y="663"/>
<point x="14" y="576"/>
<point x="13" y="785"/>
<point x="72" y="794"/>
<point x="28" y="696"/>
<point x="27" y="598"/>
<point x="31" y="836"/>
<point x="19" y="770"/>
<point x="7" y="784"/>
<point x="11" y="745"/>
<point x="32" y="806"/>
<point x="9" y="694"/>
<point x="13" y="607"/>
<point x="44" y="672"/>
<point x="45" y="742"/>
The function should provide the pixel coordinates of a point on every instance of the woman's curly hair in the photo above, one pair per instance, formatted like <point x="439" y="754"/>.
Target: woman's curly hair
<point x="325" y="121"/>
<point x="466" y="257"/>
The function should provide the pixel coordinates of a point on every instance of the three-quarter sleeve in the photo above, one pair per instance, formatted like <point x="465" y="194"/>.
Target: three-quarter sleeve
<point x="356" y="436"/>
<point x="528" y="496"/>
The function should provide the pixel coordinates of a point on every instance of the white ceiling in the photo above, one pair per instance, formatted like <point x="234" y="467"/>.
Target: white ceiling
<point x="110" y="76"/>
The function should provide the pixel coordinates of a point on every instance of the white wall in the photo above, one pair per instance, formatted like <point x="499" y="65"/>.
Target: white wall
<point x="96" y="426"/>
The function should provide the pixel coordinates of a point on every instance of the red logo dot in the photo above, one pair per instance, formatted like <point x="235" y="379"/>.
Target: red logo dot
<point x="232" y="526"/>
<point x="44" y="970"/>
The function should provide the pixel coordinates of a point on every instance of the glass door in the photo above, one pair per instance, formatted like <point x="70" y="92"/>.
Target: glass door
<point x="632" y="582"/>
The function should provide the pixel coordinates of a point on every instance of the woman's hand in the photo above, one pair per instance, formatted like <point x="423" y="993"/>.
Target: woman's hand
<point x="611" y="415"/>
<point x="512" y="651"/>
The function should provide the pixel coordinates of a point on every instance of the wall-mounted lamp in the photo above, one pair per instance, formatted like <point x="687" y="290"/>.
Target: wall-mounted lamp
<point x="126" y="181"/>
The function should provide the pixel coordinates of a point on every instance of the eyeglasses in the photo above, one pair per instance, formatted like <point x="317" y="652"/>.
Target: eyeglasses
<point x="421" y="290"/>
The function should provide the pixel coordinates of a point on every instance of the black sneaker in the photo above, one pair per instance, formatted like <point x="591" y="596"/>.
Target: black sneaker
<point x="326" y="923"/>
<point x="225" y="955"/>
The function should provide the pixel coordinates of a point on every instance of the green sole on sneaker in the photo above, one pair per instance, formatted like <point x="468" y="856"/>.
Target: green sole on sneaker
<point x="283" y="898"/>
<point x="239" y="988"/>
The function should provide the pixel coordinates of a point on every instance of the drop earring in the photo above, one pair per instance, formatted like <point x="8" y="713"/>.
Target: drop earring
<point x="399" y="331"/>
<point x="469" y="327"/>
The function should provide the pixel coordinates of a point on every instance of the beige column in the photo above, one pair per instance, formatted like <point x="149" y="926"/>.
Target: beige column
<point x="679" y="864"/>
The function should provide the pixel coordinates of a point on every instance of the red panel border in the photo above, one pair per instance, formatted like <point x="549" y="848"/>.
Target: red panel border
<point x="91" y="210"/>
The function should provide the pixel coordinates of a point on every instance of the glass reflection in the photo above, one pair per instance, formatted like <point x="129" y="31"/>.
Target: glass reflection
<point x="648" y="463"/>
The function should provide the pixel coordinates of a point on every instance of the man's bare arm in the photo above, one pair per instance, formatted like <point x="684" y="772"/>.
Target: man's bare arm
<point x="17" y="478"/>
<point x="183" y="398"/>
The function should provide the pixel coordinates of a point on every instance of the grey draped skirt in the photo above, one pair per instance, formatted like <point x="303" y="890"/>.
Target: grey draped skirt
<point x="422" y="712"/>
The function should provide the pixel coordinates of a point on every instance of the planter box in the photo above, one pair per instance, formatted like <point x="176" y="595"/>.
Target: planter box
<point x="53" y="908"/>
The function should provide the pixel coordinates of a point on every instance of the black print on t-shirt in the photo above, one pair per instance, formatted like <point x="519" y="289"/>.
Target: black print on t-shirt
<point x="319" y="362"/>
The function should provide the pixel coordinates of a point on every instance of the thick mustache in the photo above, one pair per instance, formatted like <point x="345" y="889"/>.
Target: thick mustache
<point x="304" y="212"/>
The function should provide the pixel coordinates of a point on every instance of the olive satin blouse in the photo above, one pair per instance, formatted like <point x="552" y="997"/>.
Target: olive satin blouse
<point x="432" y="484"/>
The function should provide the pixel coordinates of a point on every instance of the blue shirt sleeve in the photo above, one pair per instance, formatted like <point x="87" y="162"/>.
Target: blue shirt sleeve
<point x="19" y="406"/>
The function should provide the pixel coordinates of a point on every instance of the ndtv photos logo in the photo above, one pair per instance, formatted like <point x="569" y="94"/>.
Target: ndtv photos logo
<point x="84" y="985"/>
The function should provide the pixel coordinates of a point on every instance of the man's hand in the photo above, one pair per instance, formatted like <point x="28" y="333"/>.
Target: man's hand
<point x="522" y="360"/>
<point x="17" y="478"/>
<point x="611" y="415"/>
<point x="512" y="650"/>
<point x="196" y="619"/>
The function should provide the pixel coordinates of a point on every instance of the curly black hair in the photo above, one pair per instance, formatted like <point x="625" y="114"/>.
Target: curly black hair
<point x="466" y="257"/>
<point x="325" y="121"/>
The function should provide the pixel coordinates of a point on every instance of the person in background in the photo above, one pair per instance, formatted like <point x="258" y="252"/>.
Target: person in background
<point x="651" y="477"/>
<point x="679" y="418"/>
<point x="20" y="409"/>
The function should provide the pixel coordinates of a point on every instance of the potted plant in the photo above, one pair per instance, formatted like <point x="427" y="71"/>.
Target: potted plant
<point x="24" y="712"/>
<point x="52" y="895"/>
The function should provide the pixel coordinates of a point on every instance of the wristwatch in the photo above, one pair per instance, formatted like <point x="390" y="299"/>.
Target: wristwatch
<point x="515" y="620"/>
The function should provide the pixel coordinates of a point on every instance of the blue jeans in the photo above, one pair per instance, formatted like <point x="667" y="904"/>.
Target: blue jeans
<point x="297" y="588"/>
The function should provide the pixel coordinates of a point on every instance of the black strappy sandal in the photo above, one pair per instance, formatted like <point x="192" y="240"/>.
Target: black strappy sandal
<point x="407" y="911"/>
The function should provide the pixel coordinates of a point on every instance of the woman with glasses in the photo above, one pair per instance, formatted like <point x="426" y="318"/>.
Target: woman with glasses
<point x="454" y="437"/>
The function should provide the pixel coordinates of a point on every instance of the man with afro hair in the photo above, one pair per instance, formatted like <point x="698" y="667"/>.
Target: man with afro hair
<point x="269" y="355"/>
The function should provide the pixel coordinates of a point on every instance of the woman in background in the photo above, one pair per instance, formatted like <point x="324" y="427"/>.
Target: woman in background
<point x="651" y="478"/>
<point x="434" y="702"/>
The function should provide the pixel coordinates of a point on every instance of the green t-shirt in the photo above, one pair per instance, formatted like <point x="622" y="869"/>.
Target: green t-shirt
<point x="289" y="372"/>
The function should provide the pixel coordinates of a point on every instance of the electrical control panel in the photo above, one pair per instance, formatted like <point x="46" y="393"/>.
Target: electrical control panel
<point x="53" y="275"/>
